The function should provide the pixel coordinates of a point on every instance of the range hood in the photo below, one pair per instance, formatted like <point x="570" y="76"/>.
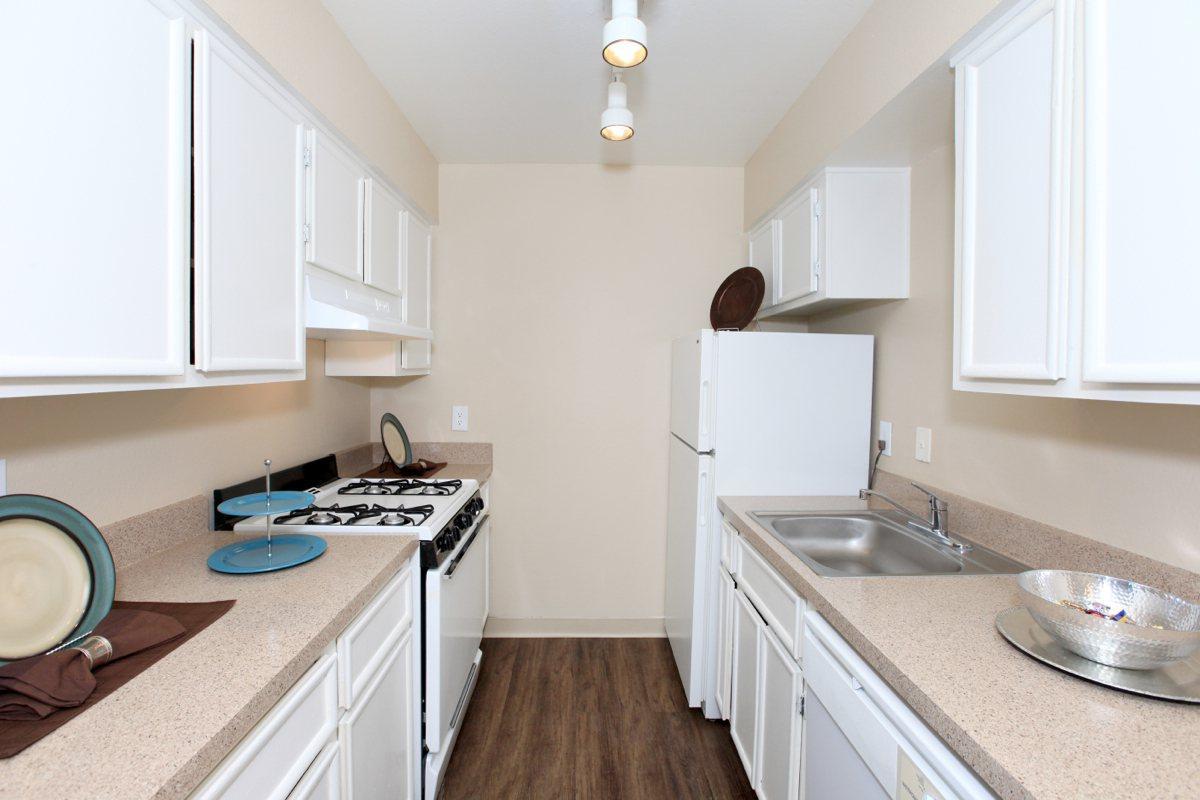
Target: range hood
<point x="340" y="308"/>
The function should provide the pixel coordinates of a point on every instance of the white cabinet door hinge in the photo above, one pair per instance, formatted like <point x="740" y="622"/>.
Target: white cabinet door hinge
<point x="304" y="229"/>
<point x="308" y="156"/>
<point x="800" y="706"/>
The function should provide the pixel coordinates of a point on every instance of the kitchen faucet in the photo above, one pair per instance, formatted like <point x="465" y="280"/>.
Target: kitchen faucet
<point x="938" y="526"/>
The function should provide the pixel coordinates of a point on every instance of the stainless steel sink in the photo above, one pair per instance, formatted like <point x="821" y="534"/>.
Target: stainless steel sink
<point x="876" y="543"/>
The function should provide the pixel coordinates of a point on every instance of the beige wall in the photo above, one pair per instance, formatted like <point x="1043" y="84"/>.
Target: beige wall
<point x="119" y="454"/>
<point x="303" y="42"/>
<point x="1123" y="473"/>
<point x="557" y="292"/>
<point x="895" y="42"/>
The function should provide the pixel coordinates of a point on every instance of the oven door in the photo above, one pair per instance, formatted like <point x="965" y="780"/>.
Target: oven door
<point x="456" y="593"/>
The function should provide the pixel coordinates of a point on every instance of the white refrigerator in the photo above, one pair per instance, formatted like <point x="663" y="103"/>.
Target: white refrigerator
<point x="752" y="413"/>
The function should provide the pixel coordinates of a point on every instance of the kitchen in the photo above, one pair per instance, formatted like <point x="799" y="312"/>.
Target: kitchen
<point x="535" y="276"/>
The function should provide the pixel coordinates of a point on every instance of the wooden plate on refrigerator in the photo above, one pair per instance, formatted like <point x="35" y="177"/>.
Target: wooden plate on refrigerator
<point x="737" y="300"/>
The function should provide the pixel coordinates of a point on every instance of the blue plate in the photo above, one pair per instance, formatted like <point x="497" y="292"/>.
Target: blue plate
<point x="253" y="505"/>
<point x="95" y="551"/>
<point x="254" y="556"/>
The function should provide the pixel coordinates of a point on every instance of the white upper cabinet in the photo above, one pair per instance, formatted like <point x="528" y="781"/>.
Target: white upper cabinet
<point x="797" y="264"/>
<point x="842" y="238"/>
<point x="94" y="204"/>
<point x="1079" y="281"/>
<point x="1013" y="140"/>
<point x="762" y="256"/>
<point x="249" y="168"/>
<point x="335" y="207"/>
<point x="1141" y="173"/>
<point x="384" y="235"/>
<point x="418" y="263"/>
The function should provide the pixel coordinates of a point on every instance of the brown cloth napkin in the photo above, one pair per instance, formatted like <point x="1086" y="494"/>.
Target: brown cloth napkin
<point x="421" y="467"/>
<point x="34" y="688"/>
<point x="16" y="735"/>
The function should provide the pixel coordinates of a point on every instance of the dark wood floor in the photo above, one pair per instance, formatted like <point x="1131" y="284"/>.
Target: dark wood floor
<point x="584" y="718"/>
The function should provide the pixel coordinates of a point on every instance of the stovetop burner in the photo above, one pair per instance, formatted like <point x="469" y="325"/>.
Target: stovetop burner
<point x="358" y="514"/>
<point x="401" y="486"/>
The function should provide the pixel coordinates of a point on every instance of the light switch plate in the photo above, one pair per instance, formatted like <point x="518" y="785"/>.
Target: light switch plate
<point x="458" y="418"/>
<point x="885" y="434"/>
<point x="924" y="445"/>
<point x="3" y="477"/>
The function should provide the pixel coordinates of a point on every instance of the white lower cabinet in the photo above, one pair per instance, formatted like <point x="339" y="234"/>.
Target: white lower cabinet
<point x="375" y="735"/>
<point x="725" y="591"/>
<point x="310" y="746"/>
<point x="744" y="695"/>
<point x="782" y="709"/>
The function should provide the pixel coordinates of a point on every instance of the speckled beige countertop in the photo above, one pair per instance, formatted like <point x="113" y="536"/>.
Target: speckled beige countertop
<point x="164" y="731"/>
<point x="1028" y="730"/>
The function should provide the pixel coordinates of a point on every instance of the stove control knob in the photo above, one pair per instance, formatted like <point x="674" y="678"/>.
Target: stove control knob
<point x="463" y="520"/>
<point x="440" y="543"/>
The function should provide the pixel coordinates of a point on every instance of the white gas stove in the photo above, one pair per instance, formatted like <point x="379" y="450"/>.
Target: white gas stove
<point x="450" y="518"/>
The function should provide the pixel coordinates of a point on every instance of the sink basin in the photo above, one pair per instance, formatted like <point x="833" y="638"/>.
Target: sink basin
<point x="876" y="543"/>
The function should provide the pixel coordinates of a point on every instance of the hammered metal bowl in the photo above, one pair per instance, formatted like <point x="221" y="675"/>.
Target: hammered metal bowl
<point x="1135" y="645"/>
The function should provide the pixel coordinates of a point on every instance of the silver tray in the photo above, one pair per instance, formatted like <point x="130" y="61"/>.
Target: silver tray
<point x="1178" y="681"/>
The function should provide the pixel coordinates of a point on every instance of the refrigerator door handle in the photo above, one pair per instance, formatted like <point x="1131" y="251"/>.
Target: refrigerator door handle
<point x="702" y="515"/>
<point x="704" y="401"/>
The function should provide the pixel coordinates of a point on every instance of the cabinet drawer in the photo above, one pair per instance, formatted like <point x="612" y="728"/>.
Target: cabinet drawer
<point x="273" y="756"/>
<point x="729" y="537"/>
<point x="365" y="642"/>
<point x="778" y="602"/>
<point x="323" y="781"/>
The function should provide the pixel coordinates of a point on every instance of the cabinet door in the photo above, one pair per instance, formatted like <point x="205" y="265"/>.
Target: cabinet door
<point x="385" y="238"/>
<point x="418" y="266"/>
<point x="249" y="142"/>
<point x="94" y="204"/>
<point x="375" y="735"/>
<point x="1141" y="170"/>
<point x="762" y="257"/>
<point x="744" y="695"/>
<point x="1012" y="111"/>
<point x="335" y="200"/>
<point x="725" y="590"/>
<point x="796" y="264"/>
<point x="782" y="693"/>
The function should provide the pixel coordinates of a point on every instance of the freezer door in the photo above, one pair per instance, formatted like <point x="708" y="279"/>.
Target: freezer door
<point x="793" y="413"/>
<point x="692" y="389"/>
<point x="689" y="515"/>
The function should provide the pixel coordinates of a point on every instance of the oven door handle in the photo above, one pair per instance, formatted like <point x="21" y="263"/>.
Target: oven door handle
<point x="453" y="565"/>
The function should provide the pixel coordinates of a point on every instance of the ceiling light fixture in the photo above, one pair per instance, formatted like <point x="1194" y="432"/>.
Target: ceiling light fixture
<point x="625" y="36"/>
<point x="616" y="123"/>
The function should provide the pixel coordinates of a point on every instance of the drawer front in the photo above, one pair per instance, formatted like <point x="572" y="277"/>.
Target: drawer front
<point x="778" y="602"/>
<point x="323" y="781"/>
<point x="366" y="641"/>
<point x="729" y="548"/>
<point x="276" y="753"/>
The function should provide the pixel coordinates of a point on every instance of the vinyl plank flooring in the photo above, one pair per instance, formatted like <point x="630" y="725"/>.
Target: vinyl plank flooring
<point x="588" y="718"/>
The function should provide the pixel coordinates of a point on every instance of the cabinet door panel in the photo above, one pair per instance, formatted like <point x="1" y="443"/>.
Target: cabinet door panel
<point x="249" y="208"/>
<point x="334" y="207"/>
<point x="796" y="261"/>
<point x="1141" y="172"/>
<point x="744" y="696"/>
<point x="418" y="258"/>
<point x="375" y="736"/>
<point x="762" y="256"/>
<point x="779" y="753"/>
<point x="725" y="590"/>
<point x="385" y="239"/>
<point x="94" y="206"/>
<point x="1013" y="139"/>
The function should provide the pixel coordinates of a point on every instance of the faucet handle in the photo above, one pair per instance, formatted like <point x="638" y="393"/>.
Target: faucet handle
<point x="934" y="500"/>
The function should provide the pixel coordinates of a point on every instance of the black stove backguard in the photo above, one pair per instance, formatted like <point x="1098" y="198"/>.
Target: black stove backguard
<point x="312" y="474"/>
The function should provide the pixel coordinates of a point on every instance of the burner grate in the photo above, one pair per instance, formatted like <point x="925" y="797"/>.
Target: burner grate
<point x="401" y="486"/>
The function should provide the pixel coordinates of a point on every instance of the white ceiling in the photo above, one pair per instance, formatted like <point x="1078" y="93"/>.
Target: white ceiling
<point x="522" y="81"/>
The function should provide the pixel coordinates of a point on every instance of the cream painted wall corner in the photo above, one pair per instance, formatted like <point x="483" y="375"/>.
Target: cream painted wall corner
<point x="558" y="289"/>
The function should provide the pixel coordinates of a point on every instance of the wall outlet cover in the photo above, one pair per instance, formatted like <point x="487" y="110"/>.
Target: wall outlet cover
<point x="885" y="435"/>
<point x="3" y="477"/>
<point x="458" y="418"/>
<point x="924" y="445"/>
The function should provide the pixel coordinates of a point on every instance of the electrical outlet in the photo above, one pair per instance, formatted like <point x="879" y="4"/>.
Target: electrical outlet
<point x="458" y="418"/>
<point x="3" y="477"/>
<point x="924" y="445"/>
<point x="885" y="436"/>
